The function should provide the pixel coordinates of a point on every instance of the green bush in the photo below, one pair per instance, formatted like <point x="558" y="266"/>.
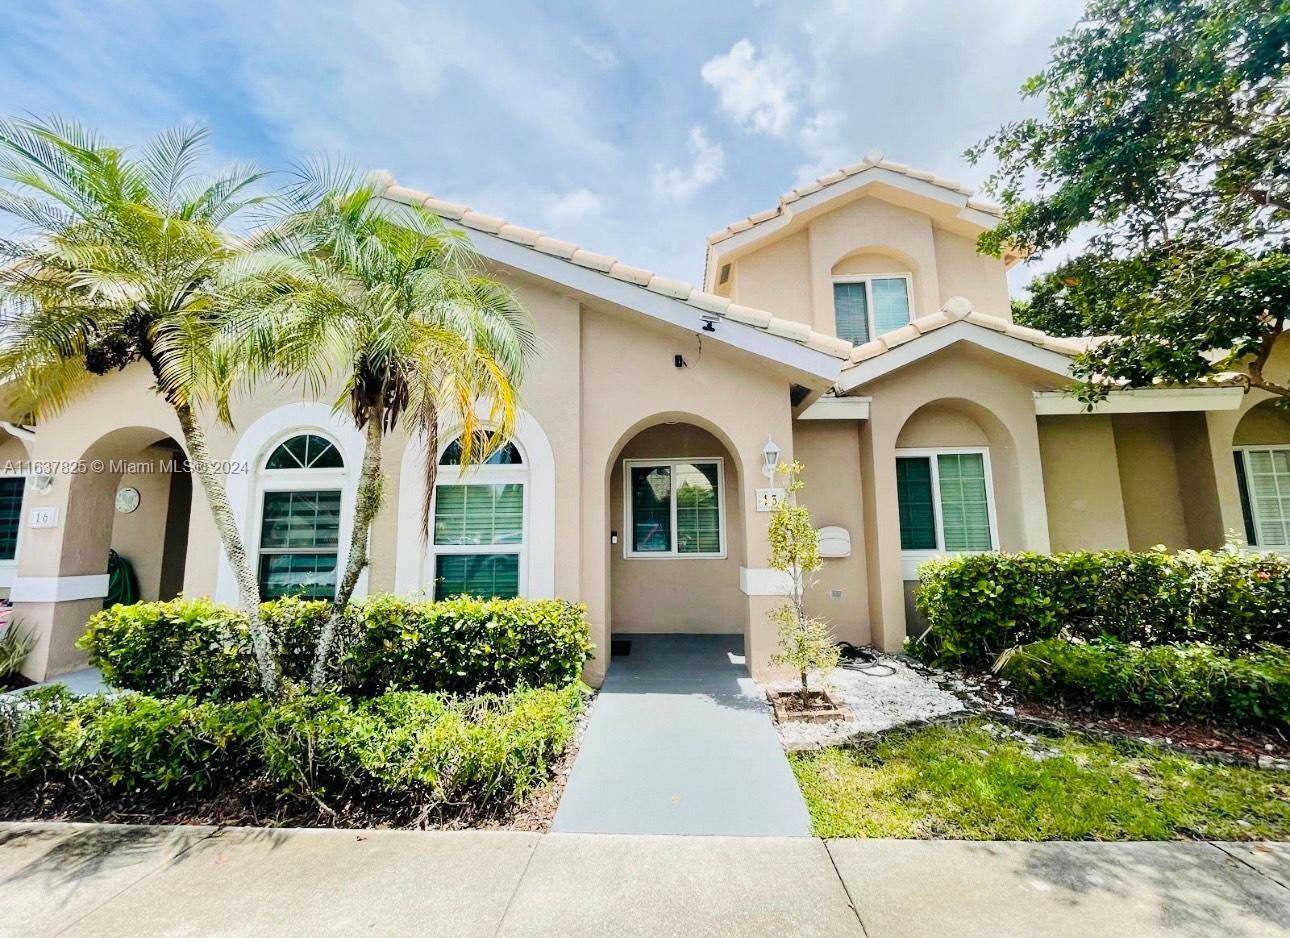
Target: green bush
<point x="418" y="752"/>
<point x="1179" y="680"/>
<point x="462" y="646"/>
<point x="128" y="742"/>
<point x="978" y="605"/>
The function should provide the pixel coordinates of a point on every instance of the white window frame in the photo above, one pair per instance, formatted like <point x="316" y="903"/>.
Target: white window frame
<point x="672" y="463"/>
<point x="1249" y="487"/>
<point x="302" y="480"/>
<point x="910" y="559"/>
<point x="9" y="568"/>
<point x="867" y="280"/>
<point x="480" y="475"/>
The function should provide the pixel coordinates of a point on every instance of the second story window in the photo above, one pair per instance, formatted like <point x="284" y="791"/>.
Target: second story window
<point x="867" y="307"/>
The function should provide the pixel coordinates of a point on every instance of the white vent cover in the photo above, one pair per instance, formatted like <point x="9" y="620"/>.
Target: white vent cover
<point x="834" y="541"/>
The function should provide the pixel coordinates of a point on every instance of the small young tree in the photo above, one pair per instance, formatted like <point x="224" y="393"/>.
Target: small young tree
<point x="806" y="644"/>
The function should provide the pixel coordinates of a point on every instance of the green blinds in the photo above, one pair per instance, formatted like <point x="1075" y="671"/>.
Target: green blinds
<point x="651" y="495"/>
<point x="1268" y="473"/>
<point x="10" y="515"/>
<point x="948" y="489"/>
<point x="479" y="514"/>
<point x="914" y="496"/>
<point x="299" y="537"/>
<point x="851" y="312"/>
<point x="487" y="575"/>
<point x="965" y="514"/>
<point x="698" y="510"/>
<point x="890" y="303"/>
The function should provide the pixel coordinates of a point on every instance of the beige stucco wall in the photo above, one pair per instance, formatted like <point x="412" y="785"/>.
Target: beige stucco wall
<point x="1082" y="483"/>
<point x="140" y="535"/>
<point x="676" y="594"/>
<point x="793" y="275"/>
<point x="830" y="452"/>
<point x="1153" y="507"/>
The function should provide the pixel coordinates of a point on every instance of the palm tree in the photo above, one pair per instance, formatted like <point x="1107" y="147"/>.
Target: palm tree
<point x="396" y="302"/>
<point x="115" y="262"/>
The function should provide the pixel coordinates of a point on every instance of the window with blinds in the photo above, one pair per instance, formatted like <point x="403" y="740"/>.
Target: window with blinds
<point x="865" y="308"/>
<point x="944" y="501"/>
<point x="1265" y="493"/>
<point x="478" y="524"/>
<point x="11" y="489"/>
<point x="299" y="542"/>
<point x="674" y="508"/>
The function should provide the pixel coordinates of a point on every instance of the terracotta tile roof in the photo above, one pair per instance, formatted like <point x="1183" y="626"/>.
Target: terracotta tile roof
<point x="871" y="161"/>
<point x="710" y="303"/>
<point x="958" y="309"/>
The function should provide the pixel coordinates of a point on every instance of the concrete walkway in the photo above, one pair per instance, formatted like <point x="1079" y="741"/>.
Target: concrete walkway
<point x="680" y="741"/>
<point x="68" y="879"/>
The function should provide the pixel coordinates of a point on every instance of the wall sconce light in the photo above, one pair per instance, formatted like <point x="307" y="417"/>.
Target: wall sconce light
<point x="42" y="484"/>
<point x="770" y="453"/>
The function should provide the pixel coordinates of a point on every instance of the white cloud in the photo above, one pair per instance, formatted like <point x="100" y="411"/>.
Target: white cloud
<point x="678" y="184"/>
<point x="755" y="92"/>
<point x="604" y="57"/>
<point x="821" y="141"/>
<point x="574" y="205"/>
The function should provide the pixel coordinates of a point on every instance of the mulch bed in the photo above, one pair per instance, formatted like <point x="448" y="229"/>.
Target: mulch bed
<point x="1248" y="744"/>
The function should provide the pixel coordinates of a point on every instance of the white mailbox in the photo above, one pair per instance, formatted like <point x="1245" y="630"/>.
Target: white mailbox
<point x="834" y="541"/>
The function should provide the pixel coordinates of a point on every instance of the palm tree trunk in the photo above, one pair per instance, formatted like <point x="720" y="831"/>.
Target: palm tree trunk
<point x="248" y="587"/>
<point x="369" y="503"/>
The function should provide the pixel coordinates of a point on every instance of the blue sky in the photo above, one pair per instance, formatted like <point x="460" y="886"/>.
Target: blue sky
<point x="634" y="128"/>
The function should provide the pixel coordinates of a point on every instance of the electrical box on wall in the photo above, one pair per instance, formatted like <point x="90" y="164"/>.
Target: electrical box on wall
<point x="834" y="541"/>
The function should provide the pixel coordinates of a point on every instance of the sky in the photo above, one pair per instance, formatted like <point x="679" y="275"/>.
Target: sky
<point x="632" y="128"/>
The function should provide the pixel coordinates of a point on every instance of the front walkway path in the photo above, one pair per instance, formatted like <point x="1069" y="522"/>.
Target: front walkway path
<point x="680" y="741"/>
<point x="72" y="879"/>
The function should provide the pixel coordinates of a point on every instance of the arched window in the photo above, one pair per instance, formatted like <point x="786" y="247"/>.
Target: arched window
<point x="300" y="513"/>
<point x="478" y="537"/>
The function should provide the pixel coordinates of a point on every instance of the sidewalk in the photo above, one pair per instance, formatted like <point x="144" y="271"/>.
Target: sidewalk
<point x="103" y="880"/>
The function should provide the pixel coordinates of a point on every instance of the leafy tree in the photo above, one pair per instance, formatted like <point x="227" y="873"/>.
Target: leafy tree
<point x="805" y="643"/>
<point x="393" y="304"/>
<point x="1167" y="133"/>
<point x="116" y="262"/>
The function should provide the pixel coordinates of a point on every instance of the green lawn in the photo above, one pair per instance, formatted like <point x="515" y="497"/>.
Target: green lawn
<point x="970" y="783"/>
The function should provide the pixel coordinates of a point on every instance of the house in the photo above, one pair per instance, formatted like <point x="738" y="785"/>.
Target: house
<point x="853" y="327"/>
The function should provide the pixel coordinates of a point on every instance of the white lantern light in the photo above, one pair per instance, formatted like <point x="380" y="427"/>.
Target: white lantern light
<point x="770" y="453"/>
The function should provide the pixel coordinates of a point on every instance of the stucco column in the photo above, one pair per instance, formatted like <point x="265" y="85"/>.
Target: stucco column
<point x="882" y="529"/>
<point x="763" y="587"/>
<point x="62" y="563"/>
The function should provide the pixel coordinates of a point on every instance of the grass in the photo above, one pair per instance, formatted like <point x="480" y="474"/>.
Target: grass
<point x="969" y="782"/>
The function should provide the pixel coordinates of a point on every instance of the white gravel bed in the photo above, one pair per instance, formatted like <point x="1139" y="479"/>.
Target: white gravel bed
<point x="889" y="695"/>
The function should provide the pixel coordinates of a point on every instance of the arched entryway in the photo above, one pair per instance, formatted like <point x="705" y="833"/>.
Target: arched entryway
<point x="677" y="533"/>
<point x="130" y="492"/>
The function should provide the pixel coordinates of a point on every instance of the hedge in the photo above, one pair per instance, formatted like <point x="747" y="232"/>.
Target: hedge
<point x="201" y="649"/>
<point x="1181" y="680"/>
<point x="412" y="751"/>
<point x="979" y="605"/>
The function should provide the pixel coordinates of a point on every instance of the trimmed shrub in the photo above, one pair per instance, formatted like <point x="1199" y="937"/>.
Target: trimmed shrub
<point x="1182" y="680"/>
<point x="979" y="605"/>
<point x="202" y="649"/>
<point x="128" y="742"/>
<point x="413" y="752"/>
<point x="462" y="645"/>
